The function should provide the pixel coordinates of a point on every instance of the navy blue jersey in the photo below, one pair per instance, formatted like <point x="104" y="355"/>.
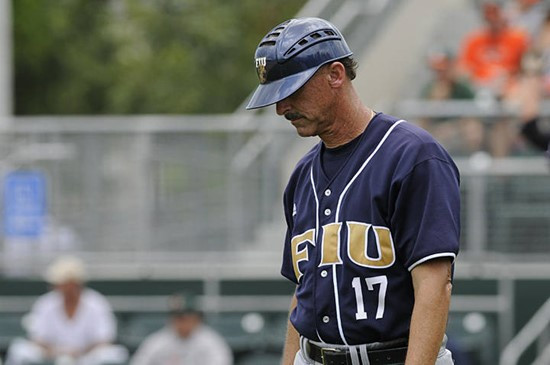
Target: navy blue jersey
<point x="353" y="240"/>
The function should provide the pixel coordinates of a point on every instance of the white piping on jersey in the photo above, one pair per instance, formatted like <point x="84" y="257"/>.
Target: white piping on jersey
<point x="319" y="337"/>
<point x="364" y="354"/>
<point x="363" y="167"/>
<point x="316" y="222"/>
<point x="434" y="256"/>
<point x="337" y="302"/>
<point x="354" y="355"/>
<point x="316" y="206"/>
<point x="334" y="278"/>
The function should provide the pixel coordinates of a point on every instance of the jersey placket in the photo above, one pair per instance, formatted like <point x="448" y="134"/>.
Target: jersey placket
<point x="326" y="202"/>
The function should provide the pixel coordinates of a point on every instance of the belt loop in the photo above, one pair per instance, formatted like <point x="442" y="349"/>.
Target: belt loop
<point x="303" y="348"/>
<point x="364" y="354"/>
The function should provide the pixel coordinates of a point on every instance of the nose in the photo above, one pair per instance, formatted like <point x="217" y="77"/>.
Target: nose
<point x="282" y="107"/>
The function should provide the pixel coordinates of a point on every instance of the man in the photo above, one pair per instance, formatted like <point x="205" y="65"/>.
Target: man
<point x="491" y="55"/>
<point x="372" y="212"/>
<point x="185" y="340"/>
<point x="459" y="135"/>
<point x="70" y="324"/>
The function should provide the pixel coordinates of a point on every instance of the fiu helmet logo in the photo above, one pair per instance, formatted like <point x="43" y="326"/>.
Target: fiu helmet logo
<point x="260" y="69"/>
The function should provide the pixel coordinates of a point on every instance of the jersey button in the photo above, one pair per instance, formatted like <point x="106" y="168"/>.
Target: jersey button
<point x="327" y="211"/>
<point x="324" y="273"/>
<point x="326" y="319"/>
<point x="328" y="192"/>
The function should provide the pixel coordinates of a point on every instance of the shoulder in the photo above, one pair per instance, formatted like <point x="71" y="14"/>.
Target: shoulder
<point x="157" y="342"/>
<point x="475" y="37"/>
<point x="161" y="336"/>
<point x="517" y="34"/>
<point x="95" y="299"/>
<point x="403" y="133"/>
<point x="409" y="145"/>
<point x="47" y="301"/>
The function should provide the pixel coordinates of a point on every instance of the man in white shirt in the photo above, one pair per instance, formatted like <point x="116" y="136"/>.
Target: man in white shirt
<point x="185" y="340"/>
<point x="71" y="323"/>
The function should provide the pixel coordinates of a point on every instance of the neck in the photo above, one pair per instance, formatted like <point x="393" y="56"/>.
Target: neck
<point x="351" y="118"/>
<point x="71" y="304"/>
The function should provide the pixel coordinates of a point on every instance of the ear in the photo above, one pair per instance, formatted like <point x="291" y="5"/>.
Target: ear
<point x="336" y="74"/>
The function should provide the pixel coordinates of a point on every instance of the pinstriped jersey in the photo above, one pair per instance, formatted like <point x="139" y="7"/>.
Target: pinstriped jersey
<point x="353" y="239"/>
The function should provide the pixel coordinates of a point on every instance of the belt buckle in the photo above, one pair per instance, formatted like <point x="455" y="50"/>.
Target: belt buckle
<point x="329" y="351"/>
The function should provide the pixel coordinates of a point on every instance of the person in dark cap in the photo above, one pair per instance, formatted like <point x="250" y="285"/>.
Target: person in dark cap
<point x="186" y="339"/>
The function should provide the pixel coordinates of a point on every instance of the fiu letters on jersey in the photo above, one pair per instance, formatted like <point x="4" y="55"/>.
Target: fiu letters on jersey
<point x="353" y="240"/>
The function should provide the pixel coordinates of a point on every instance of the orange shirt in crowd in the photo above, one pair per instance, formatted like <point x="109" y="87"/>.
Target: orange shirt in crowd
<point x="491" y="57"/>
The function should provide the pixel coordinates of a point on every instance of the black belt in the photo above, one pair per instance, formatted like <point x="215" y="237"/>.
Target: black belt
<point x="341" y="356"/>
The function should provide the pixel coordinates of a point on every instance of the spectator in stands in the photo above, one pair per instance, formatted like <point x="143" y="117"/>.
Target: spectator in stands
<point x="541" y="46"/>
<point x="184" y="340"/>
<point x="71" y="324"/>
<point x="526" y="97"/>
<point x="445" y="84"/>
<point x="460" y="136"/>
<point x="491" y="55"/>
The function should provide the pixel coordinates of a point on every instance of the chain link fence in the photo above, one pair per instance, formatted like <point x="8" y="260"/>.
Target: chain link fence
<point x="168" y="188"/>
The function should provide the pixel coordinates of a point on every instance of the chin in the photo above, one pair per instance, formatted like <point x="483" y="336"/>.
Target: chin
<point x="306" y="133"/>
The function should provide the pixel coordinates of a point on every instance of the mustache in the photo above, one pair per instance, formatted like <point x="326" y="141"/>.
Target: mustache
<point x="293" y="116"/>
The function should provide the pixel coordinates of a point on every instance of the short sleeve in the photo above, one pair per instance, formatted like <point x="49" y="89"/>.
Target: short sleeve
<point x="104" y="320"/>
<point x="426" y="219"/>
<point x="151" y="349"/>
<point x="39" y="323"/>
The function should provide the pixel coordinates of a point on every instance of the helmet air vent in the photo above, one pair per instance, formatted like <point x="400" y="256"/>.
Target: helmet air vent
<point x="309" y="40"/>
<point x="267" y="43"/>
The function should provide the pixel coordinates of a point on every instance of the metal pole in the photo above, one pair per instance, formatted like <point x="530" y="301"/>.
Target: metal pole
<point x="6" y="78"/>
<point x="6" y="105"/>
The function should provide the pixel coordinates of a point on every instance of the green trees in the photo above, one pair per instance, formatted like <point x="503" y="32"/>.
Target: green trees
<point x="138" y="56"/>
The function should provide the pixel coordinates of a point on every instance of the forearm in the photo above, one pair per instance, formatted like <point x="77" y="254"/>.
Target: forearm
<point x="92" y="347"/>
<point x="429" y="319"/>
<point x="49" y="351"/>
<point x="292" y="341"/>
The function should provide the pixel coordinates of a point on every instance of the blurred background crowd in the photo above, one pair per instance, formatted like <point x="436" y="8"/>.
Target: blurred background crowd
<point x="124" y="144"/>
<point x="503" y="60"/>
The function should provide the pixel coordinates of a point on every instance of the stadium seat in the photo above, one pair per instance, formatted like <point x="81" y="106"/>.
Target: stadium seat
<point x="276" y="325"/>
<point x="260" y="358"/>
<point x="10" y="327"/>
<point x="134" y="330"/>
<point x="474" y="334"/>
<point x="242" y="331"/>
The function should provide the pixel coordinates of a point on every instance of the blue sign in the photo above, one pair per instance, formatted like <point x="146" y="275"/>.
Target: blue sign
<point x="24" y="204"/>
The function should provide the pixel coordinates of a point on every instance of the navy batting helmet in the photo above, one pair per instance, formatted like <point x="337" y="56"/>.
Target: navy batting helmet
<point x="289" y="55"/>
